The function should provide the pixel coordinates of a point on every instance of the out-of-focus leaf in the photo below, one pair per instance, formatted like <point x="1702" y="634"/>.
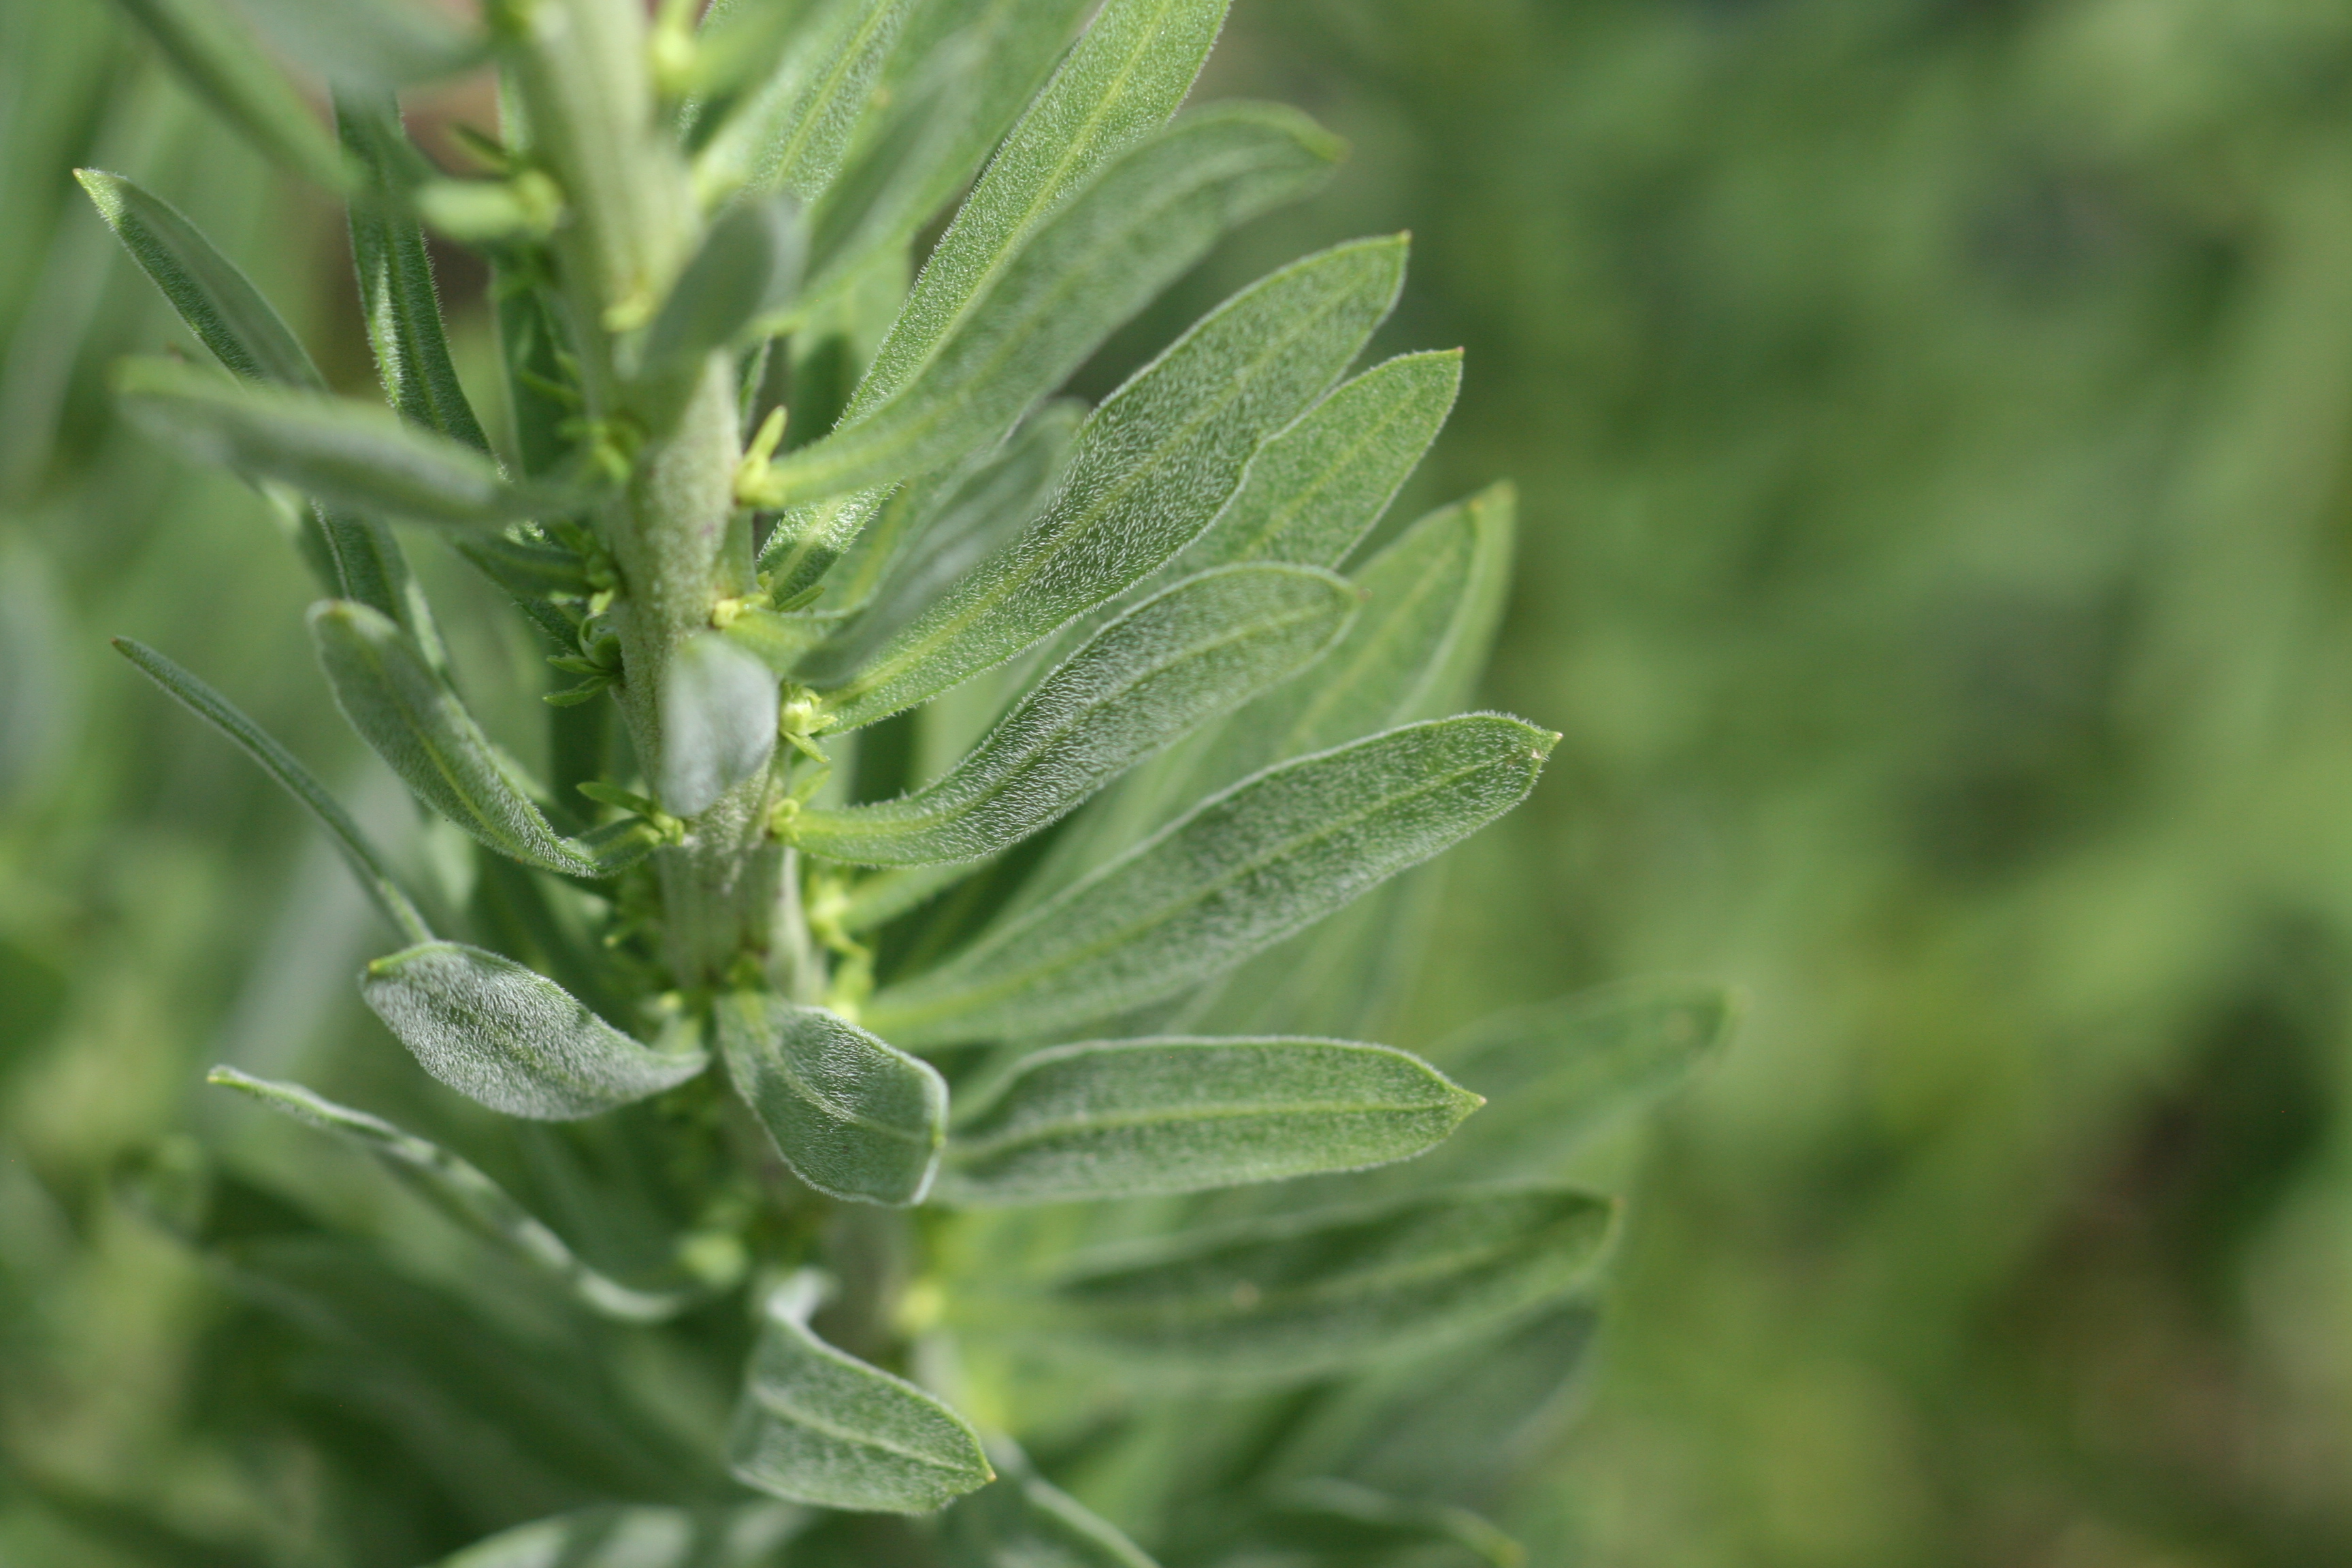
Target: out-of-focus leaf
<point x="1202" y="648"/>
<point x="853" y="1116"/>
<point x="747" y="266"/>
<point x="459" y="1190"/>
<point x="376" y="44"/>
<point x="792" y="131"/>
<point x="223" y="715"/>
<point x="1243" y="871"/>
<point x="719" y="721"/>
<point x="220" y="59"/>
<point x="511" y="1039"/>
<point x="1022" y="1520"/>
<point x="1559" y="1072"/>
<point x="1124" y="78"/>
<point x="218" y="302"/>
<point x="1304" y="1295"/>
<point x="821" y="1427"/>
<point x="344" y="453"/>
<point x="1153" y="465"/>
<point x="416" y="723"/>
<point x="1316" y="488"/>
<point x="748" y="1535"/>
<point x="398" y="294"/>
<point x="1138" y="225"/>
<point x="1128" y="1117"/>
<point x="1327" y="1514"/>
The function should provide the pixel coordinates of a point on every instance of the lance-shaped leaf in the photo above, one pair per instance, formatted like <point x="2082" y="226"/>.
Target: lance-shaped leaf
<point x="217" y="301"/>
<point x="216" y="55"/>
<point x="1128" y="1117"/>
<point x="1315" y="489"/>
<point x="1197" y="650"/>
<point x="1306" y="1295"/>
<point x="617" y="1535"/>
<point x="792" y="133"/>
<point x="1153" y="465"/>
<point x="1329" y="1516"/>
<point x="955" y="524"/>
<point x="1123" y="79"/>
<point x="398" y="298"/>
<point x="511" y="1039"/>
<point x="368" y="44"/>
<point x="343" y="453"/>
<point x="275" y="761"/>
<point x="747" y="266"/>
<point x="821" y="1428"/>
<point x="719" y="721"/>
<point x="459" y="1190"/>
<point x="853" y="1116"/>
<point x="1022" y="1520"/>
<point x="943" y="120"/>
<point x="1140" y="223"/>
<point x="416" y="723"/>
<point x="1560" y="1071"/>
<point x="1243" y="871"/>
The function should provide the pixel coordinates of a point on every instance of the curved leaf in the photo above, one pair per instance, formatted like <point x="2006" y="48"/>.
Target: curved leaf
<point x="218" y="710"/>
<point x="852" y="1116"/>
<point x="1128" y="1117"/>
<point x="719" y="721"/>
<point x="1243" y="869"/>
<point x="1139" y="225"/>
<point x="792" y="133"/>
<point x="416" y="723"/>
<point x="748" y="264"/>
<point x="818" y="1426"/>
<point x="511" y="1039"/>
<point x="1200" y="648"/>
<point x="459" y="1190"/>
<point x="1153" y="465"/>
<point x="1304" y="1295"/>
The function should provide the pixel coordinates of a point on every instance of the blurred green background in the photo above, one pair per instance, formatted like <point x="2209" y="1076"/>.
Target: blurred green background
<point x="1931" y="418"/>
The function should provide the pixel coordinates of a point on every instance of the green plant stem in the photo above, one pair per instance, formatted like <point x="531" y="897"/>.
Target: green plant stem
<point x="581" y="80"/>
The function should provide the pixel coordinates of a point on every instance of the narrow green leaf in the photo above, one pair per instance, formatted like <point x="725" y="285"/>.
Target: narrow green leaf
<point x="459" y="1190"/>
<point x="417" y="725"/>
<point x="1560" y="1071"/>
<point x="217" y="301"/>
<point x="818" y="1426"/>
<point x="1123" y="79"/>
<point x="718" y="718"/>
<point x="882" y="898"/>
<point x="618" y="1535"/>
<point x="779" y="639"/>
<point x="1197" y="650"/>
<point x="792" y="132"/>
<point x="1153" y="465"/>
<point x="1241" y="871"/>
<point x="1302" y="1296"/>
<point x="398" y="298"/>
<point x="1022" y="1520"/>
<point x="343" y="453"/>
<point x="219" y="58"/>
<point x="1317" y="488"/>
<point x="1332" y="1515"/>
<point x="955" y="523"/>
<point x="1140" y="223"/>
<point x="526" y="568"/>
<point x="853" y="1116"/>
<point x="376" y="45"/>
<point x="1131" y="1117"/>
<point x="275" y="761"/>
<point x="747" y="266"/>
<point x="942" y="123"/>
<point x="511" y="1039"/>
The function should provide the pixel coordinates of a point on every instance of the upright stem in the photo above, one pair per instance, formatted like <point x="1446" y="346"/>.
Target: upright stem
<point x="583" y="75"/>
